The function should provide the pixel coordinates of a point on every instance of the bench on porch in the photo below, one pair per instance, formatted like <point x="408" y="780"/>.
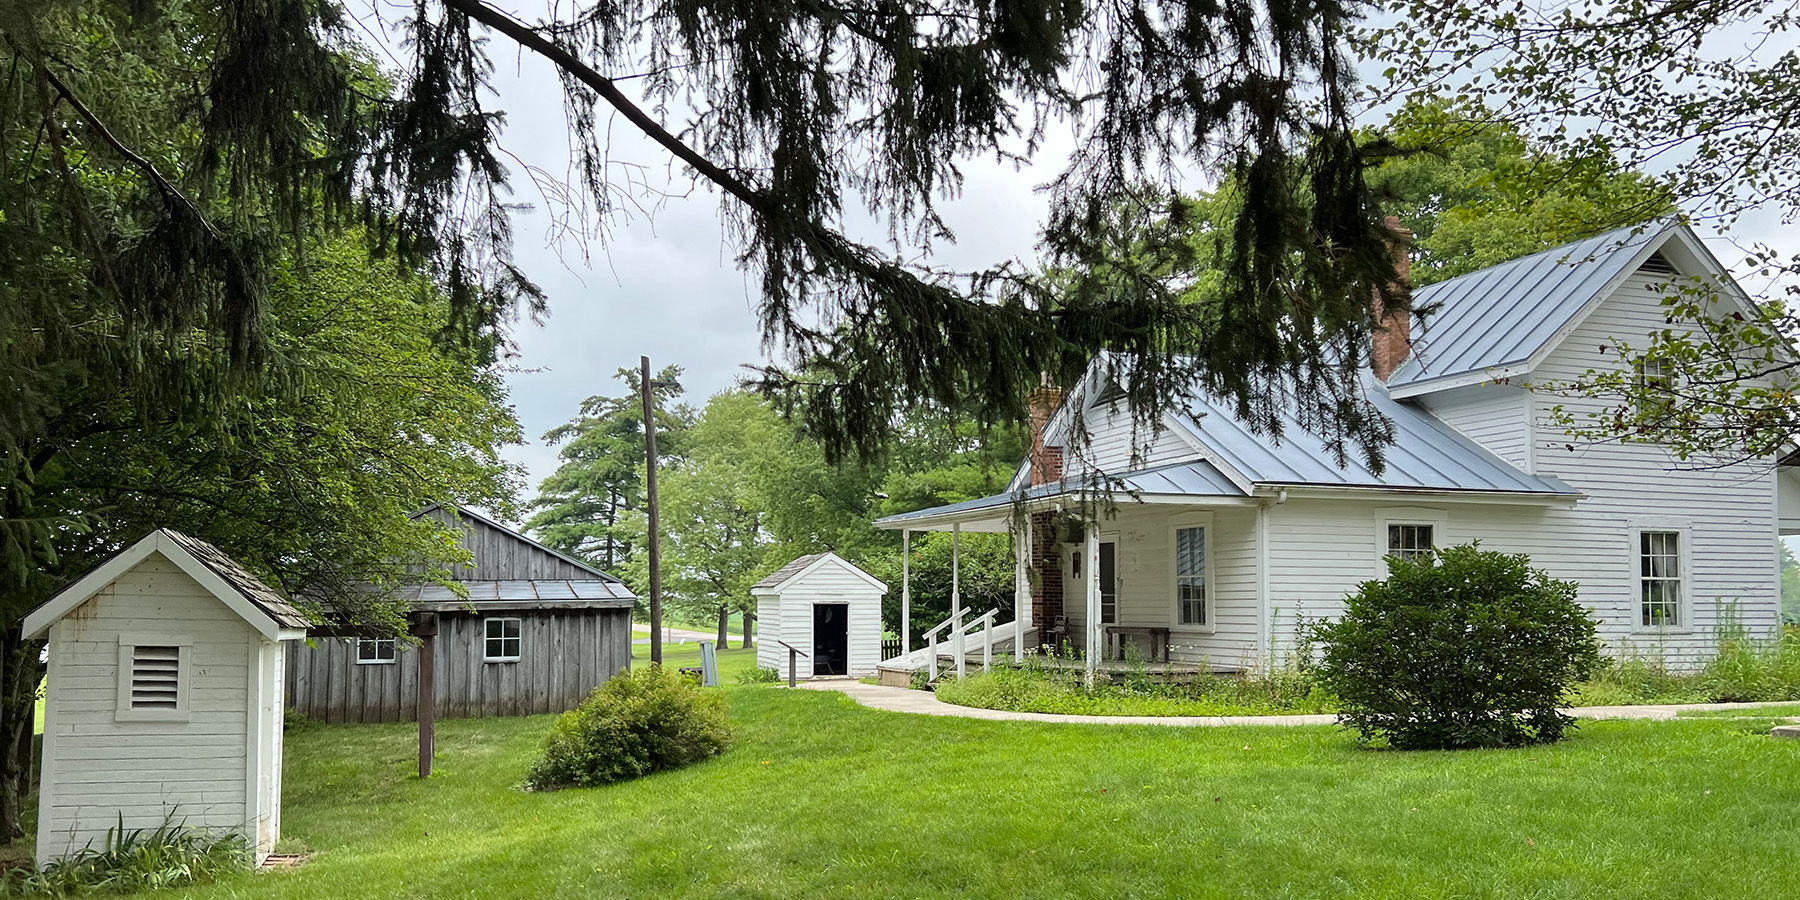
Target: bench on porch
<point x="1158" y="634"/>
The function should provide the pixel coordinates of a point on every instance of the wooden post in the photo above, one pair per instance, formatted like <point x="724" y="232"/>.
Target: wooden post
<point x="956" y="635"/>
<point x="792" y="664"/>
<point x="426" y="628"/>
<point x="651" y="506"/>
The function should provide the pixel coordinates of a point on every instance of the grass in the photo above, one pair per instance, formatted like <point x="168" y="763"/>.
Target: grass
<point x="824" y="798"/>
<point x="1774" y="709"/>
<point x="1032" y="689"/>
<point x="676" y="656"/>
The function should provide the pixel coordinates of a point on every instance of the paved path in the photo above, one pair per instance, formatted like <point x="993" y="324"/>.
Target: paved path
<point x="683" y="635"/>
<point x="896" y="699"/>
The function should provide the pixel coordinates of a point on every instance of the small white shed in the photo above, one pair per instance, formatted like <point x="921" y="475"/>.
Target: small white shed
<point x="827" y="608"/>
<point x="163" y="702"/>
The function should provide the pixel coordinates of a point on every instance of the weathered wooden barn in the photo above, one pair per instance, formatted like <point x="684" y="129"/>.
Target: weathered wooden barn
<point x="163" y="700"/>
<point x="538" y="632"/>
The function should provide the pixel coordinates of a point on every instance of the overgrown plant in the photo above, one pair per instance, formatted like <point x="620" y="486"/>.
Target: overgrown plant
<point x="1463" y="648"/>
<point x="132" y="860"/>
<point x="759" y="675"/>
<point x="647" y="720"/>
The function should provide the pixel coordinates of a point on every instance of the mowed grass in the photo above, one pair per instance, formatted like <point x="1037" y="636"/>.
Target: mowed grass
<point x="822" y="798"/>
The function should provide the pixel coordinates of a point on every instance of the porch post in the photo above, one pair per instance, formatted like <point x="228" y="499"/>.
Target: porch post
<point x="1092" y="649"/>
<point x="905" y="591"/>
<point x="956" y="629"/>
<point x="1021" y="584"/>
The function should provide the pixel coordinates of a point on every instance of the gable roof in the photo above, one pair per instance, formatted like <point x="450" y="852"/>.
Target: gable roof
<point x="537" y="560"/>
<point x="1506" y="315"/>
<point x="1194" y="478"/>
<point x="806" y="565"/>
<point x="266" y="611"/>
<point x="1426" y="453"/>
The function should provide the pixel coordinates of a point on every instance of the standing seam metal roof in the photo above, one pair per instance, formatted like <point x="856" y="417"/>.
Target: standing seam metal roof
<point x="1197" y="478"/>
<point x="1504" y="314"/>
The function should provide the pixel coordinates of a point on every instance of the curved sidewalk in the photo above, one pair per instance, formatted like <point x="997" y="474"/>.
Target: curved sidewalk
<point x="925" y="703"/>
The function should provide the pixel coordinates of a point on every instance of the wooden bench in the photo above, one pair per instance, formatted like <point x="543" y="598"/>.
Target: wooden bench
<point x="1158" y="634"/>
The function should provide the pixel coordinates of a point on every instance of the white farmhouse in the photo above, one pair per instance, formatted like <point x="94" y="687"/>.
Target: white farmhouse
<point x="827" y="609"/>
<point x="163" y="702"/>
<point x="1223" y="540"/>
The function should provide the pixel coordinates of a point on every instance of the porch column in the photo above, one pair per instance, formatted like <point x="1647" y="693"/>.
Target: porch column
<point x="1021" y="585"/>
<point x="905" y="591"/>
<point x="956" y="643"/>
<point x="1092" y="550"/>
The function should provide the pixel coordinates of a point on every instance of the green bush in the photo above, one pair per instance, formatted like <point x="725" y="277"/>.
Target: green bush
<point x="643" y="721"/>
<point x="1467" y="648"/>
<point x="171" y="855"/>
<point x="758" y="675"/>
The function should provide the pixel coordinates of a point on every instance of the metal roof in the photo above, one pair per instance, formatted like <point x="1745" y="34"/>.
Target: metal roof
<point x="1426" y="454"/>
<point x="1504" y="314"/>
<point x="1197" y="478"/>
<point x="519" y="594"/>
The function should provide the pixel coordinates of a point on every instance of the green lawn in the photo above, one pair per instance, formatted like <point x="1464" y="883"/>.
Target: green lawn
<point x="1771" y="709"/>
<point x="822" y="798"/>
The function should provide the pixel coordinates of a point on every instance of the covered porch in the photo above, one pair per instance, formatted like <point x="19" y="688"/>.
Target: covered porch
<point x="1153" y="571"/>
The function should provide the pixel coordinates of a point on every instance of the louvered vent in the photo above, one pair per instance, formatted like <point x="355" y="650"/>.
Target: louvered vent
<point x="155" y="677"/>
<point x="1657" y="264"/>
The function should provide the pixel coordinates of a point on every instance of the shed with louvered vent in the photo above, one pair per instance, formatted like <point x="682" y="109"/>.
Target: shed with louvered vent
<point x="163" y="701"/>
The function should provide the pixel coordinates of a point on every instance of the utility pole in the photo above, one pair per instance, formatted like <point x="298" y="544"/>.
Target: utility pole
<point x="651" y="506"/>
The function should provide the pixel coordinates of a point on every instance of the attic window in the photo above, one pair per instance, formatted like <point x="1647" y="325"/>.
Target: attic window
<point x="153" y="676"/>
<point x="1657" y="264"/>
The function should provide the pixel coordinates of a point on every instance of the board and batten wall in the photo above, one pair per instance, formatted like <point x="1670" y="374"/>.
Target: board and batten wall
<point x="502" y="555"/>
<point x="219" y="769"/>
<point x="563" y="656"/>
<point x="793" y="604"/>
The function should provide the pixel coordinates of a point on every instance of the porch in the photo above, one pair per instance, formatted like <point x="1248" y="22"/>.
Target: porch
<point x="1158" y="575"/>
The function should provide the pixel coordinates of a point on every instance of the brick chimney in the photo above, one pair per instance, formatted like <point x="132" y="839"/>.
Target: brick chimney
<point x="1046" y="462"/>
<point x="1392" y="340"/>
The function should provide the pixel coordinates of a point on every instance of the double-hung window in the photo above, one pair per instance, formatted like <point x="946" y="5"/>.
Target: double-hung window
<point x="1190" y="576"/>
<point x="1659" y="579"/>
<point x="501" y="642"/>
<point x="376" y="651"/>
<point x="1409" y="540"/>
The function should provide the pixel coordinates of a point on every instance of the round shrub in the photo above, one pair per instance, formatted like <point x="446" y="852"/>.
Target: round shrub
<point x="1466" y="648"/>
<point x="639" y="722"/>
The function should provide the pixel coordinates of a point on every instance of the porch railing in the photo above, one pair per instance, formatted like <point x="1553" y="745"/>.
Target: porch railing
<point x="958" y="634"/>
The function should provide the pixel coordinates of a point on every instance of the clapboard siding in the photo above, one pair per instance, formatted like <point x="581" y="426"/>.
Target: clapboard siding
<point x="101" y="769"/>
<point x="831" y="581"/>
<point x="564" y="655"/>
<point x="1145" y="569"/>
<point x="1116" y="444"/>
<point x="1496" y="416"/>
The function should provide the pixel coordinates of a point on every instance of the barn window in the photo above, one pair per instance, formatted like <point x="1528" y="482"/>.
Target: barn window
<point x="502" y="644"/>
<point x="376" y="651"/>
<point x="153" y="676"/>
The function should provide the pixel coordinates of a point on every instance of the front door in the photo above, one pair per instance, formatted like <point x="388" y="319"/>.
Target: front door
<point x="1109" y="585"/>
<point x="831" y="639"/>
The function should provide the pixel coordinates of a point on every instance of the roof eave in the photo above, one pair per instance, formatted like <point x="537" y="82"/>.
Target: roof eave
<point x="1473" y="495"/>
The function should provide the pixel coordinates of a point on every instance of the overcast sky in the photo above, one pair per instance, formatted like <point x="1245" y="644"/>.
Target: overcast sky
<point x="666" y="285"/>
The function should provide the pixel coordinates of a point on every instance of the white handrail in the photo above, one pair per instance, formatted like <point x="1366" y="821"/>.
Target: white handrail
<point x="958" y="630"/>
<point x="931" y="643"/>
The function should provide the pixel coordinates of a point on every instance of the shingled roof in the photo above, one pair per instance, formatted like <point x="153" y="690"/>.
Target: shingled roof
<point x="251" y="587"/>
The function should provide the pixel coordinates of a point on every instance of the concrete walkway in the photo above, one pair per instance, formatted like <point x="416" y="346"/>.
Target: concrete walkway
<point x="925" y="703"/>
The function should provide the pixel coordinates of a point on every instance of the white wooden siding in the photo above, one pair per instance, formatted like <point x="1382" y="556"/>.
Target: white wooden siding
<point x="1115" y="445"/>
<point x="1496" y="416"/>
<point x="194" y="772"/>
<point x="1145" y="568"/>
<point x="831" y="581"/>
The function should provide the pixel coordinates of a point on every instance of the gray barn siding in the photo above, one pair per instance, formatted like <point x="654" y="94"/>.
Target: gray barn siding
<point x="565" y="654"/>
<point x="505" y="556"/>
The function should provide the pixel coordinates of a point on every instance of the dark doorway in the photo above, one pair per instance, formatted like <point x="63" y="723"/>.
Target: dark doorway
<point x="1109" y="585"/>
<point x="831" y="639"/>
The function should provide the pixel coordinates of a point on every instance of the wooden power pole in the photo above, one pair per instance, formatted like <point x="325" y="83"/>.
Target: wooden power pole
<point x="650" y="505"/>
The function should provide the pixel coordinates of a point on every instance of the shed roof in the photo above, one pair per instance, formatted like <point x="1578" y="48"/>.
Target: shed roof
<point x="797" y="571"/>
<point x="522" y="595"/>
<point x="1503" y="315"/>
<point x="259" y="605"/>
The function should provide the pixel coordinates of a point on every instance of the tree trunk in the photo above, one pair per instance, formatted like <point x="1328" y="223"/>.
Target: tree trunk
<point x="24" y="670"/>
<point x="749" y="629"/>
<point x="724" y="627"/>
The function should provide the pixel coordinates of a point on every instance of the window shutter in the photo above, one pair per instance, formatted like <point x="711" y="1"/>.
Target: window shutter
<point x="155" y="677"/>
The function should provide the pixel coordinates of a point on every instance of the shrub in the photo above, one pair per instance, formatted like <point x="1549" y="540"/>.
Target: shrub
<point x="639" y="722"/>
<point x="169" y="856"/>
<point x="758" y="675"/>
<point x="1467" y="648"/>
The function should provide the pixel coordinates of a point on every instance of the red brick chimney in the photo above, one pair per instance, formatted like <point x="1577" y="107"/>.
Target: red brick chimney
<point x="1392" y="340"/>
<point x="1046" y="462"/>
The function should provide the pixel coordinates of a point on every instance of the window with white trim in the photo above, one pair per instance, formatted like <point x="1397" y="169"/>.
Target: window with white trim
<point x="1190" y="576"/>
<point x="1410" y="540"/>
<point x="376" y="651"/>
<point x="1654" y="375"/>
<point x="1659" y="579"/>
<point x="501" y="639"/>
